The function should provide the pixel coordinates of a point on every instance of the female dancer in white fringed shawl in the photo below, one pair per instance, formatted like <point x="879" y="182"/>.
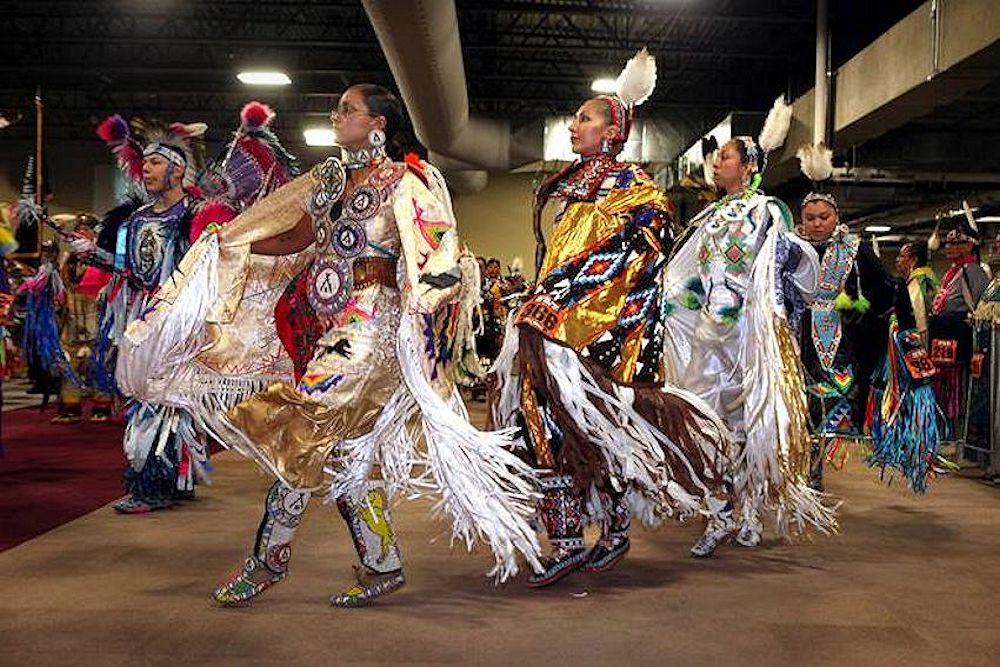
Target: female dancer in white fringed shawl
<point x="734" y="294"/>
<point x="377" y="322"/>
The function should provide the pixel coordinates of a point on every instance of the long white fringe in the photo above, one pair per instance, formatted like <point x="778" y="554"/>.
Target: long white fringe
<point x="768" y="421"/>
<point x="148" y="432"/>
<point x="505" y="373"/>
<point x="487" y="491"/>
<point x="391" y="445"/>
<point x="151" y="351"/>
<point x="632" y="447"/>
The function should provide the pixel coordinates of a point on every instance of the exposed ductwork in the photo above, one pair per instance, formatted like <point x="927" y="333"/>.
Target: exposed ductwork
<point x="421" y="42"/>
<point x="463" y="178"/>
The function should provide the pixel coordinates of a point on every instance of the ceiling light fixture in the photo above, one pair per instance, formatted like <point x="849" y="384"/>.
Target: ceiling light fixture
<point x="319" y="136"/>
<point x="876" y="229"/>
<point x="604" y="86"/>
<point x="264" y="78"/>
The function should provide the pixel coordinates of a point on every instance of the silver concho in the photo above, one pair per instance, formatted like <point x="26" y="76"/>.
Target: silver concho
<point x="349" y="238"/>
<point x="331" y="179"/>
<point x="363" y="203"/>
<point x="330" y="285"/>
<point x="322" y="232"/>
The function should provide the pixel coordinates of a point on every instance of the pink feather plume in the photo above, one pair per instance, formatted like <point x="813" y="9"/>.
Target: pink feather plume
<point x="255" y="115"/>
<point x="113" y="129"/>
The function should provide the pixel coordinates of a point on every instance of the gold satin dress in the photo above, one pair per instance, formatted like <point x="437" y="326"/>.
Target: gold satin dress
<point x="353" y="371"/>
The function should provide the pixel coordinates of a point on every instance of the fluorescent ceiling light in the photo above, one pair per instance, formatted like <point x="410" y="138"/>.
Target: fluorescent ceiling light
<point x="606" y="86"/>
<point x="264" y="78"/>
<point x="878" y="228"/>
<point x="319" y="136"/>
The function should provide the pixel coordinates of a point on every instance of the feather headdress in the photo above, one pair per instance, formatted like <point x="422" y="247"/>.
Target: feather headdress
<point x="965" y="229"/>
<point x="634" y="85"/>
<point x="934" y="240"/>
<point x="114" y="131"/>
<point x="129" y="141"/>
<point x="971" y="219"/>
<point x="187" y="138"/>
<point x="776" y="125"/>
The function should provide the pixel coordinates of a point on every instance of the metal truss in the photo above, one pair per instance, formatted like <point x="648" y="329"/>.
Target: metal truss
<point x="524" y="59"/>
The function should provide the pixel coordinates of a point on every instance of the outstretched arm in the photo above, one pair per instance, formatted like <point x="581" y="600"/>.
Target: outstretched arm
<point x="289" y="242"/>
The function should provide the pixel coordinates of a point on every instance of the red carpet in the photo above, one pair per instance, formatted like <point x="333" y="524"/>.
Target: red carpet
<point x="54" y="473"/>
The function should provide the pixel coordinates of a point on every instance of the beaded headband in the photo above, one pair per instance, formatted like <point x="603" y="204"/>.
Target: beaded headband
<point x="820" y="196"/>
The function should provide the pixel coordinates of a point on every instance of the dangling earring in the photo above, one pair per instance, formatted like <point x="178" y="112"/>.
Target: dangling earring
<point x="605" y="145"/>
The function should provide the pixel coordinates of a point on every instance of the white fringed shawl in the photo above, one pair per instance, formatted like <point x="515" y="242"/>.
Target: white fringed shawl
<point x="769" y="468"/>
<point x="487" y="492"/>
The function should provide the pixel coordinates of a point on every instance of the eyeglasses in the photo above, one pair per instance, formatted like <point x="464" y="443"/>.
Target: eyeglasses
<point x="343" y="111"/>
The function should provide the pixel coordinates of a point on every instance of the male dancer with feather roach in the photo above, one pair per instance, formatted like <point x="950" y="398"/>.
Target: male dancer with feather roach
<point x="139" y="244"/>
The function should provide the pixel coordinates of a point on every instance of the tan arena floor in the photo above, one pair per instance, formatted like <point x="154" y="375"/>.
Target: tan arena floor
<point x="911" y="581"/>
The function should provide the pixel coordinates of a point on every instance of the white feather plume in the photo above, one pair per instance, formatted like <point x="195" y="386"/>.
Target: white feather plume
<point x="969" y="217"/>
<point x="708" y="168"/>
<point x="816" y="161"/>
<point x="516" y="266"/>
<point x="934" y="240"/>
<point x="779" y="120"/>
<point x="637" y="79"/>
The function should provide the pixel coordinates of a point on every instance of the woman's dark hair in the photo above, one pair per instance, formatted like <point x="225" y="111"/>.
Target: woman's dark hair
<point x="382" y="102"/>
<point x="605" y="108"/>
<point x="918" y="251"/>
<point x="742" y="148"/>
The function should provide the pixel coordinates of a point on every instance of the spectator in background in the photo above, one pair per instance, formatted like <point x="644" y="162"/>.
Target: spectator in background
<point x="921" y="282"/>
<point x="949" y="329"/>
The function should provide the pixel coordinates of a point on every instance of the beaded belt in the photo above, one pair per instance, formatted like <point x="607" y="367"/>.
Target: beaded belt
<point x="370" y="271"/>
